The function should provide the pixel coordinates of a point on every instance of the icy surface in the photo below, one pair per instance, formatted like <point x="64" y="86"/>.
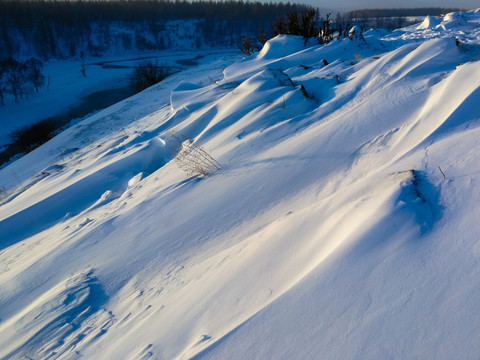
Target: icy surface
<point x="342" y="222"/>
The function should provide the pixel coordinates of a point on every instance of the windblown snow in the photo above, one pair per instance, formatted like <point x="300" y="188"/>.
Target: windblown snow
<point x="329" y="211"/>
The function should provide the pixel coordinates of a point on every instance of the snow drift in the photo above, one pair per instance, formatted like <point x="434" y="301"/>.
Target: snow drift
<point x="343" y="222"/>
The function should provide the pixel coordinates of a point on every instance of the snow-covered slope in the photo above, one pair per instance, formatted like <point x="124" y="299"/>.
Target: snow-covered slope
<point x="343" y="223"/>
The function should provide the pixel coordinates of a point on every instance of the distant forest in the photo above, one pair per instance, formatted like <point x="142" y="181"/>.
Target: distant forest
<point x="59" y="29"/>
<point x="373" y="13"/>
<point x="63" y="28"/>
<point x="390" y="18"/>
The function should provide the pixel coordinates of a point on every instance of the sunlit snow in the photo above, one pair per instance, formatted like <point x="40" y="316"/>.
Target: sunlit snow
<point x="340" y="223"/>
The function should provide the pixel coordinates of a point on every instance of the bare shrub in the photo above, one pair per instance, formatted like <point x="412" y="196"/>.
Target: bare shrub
<point x="247" y="47"/>
<point x="3" y="193"/>
<point x="83" y="69"/>
<point x="2" y="83"/>
<point x="146" y="74"/>
<point x="326" y="32"/>
<point x="16" y="77"/>
<point x="192" y="158"/>
<point x="261" y="37"/>
<point x="301" y="24"/>
<point x="34" y="73"/>
<point x="279" y="27"/>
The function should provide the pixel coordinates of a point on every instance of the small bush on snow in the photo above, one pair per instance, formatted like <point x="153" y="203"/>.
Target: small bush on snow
<point x="192" y="158"/>
<point x="146" y="74"/>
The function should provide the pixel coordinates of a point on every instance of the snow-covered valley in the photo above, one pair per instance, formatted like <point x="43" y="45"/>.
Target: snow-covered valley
<point x="331" y="210"/>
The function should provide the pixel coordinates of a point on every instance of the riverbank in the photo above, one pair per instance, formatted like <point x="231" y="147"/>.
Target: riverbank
<point x="69" y="96"/>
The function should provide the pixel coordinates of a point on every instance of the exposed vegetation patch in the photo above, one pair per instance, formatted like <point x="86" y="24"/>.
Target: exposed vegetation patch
<point x="148" y="73"/>
<point x="26" y="139"/>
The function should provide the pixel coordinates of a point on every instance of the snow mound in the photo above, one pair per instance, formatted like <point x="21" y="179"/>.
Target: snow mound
<point x="281" y="46"/>
<point x="430" y="22"/>
<point x="453" y="20"/>
<point x="355" y="33"/>
<point x="246" y="108"/>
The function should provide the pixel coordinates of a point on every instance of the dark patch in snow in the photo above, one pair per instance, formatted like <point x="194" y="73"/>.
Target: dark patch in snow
<point x="205" y="338"/>
<point x="421" y="197"/>
<point x="145" y="353"/>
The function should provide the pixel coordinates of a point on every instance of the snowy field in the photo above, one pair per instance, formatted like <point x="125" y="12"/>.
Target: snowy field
<point x="342" y="223"/>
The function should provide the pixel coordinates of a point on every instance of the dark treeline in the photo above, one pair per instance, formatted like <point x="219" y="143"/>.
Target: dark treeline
<point x="390" y="18"/>
<point x="373" y="13"/>
<point x="63" y="28"/>
<point x="25" y="13"/>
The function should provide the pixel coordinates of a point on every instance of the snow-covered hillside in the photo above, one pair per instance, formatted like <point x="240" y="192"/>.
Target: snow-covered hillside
<point x="343" y="223"/>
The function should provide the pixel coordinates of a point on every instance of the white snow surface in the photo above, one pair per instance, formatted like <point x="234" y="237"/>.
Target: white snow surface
<point x="342" y="224"/>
